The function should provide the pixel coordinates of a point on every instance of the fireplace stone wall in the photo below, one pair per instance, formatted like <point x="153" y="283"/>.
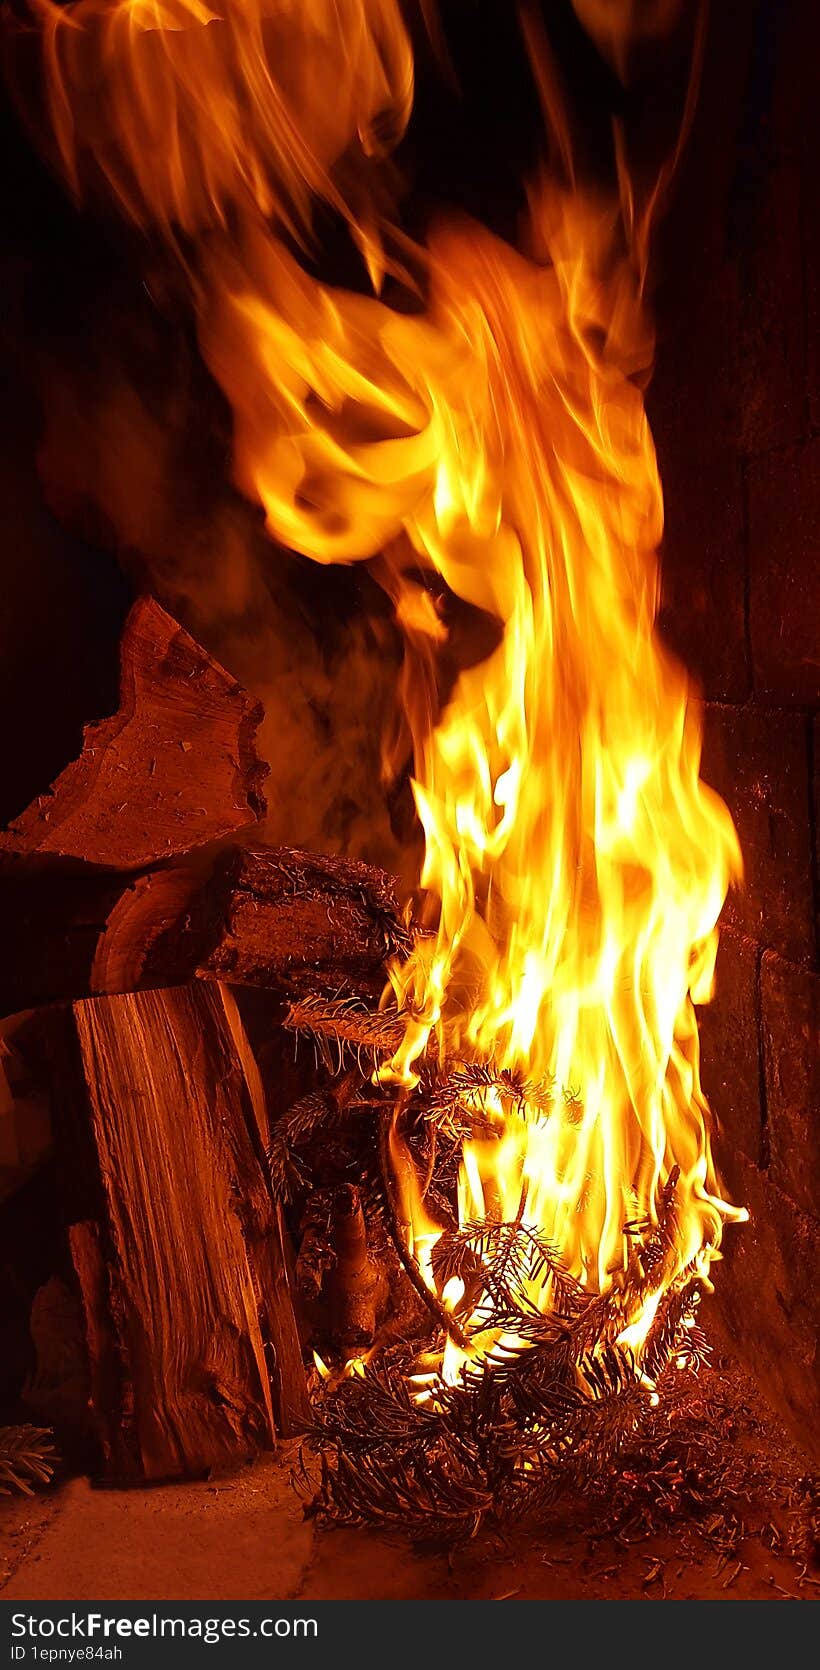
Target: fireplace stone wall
<point x="736" y="413"/>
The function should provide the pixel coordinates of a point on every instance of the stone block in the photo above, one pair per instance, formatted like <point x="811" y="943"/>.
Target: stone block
<point x="703" y="565"/>
<point x="730" y="1068"/>
<point x="811" y="244"/>
<point x="758" y="760"/>
<point x="767" y="1300"/>
<point x="790" y="1016"/>
<point x="799" y="96"/>
<point x="768" y="334"/>
<point x="784" y="574"/>
<point x="692" y="399"/>
<point x="815" y="797"/>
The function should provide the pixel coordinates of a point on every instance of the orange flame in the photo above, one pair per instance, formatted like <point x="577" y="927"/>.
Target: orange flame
<point x="575" y="865"/>
<point x="190" y="111"/>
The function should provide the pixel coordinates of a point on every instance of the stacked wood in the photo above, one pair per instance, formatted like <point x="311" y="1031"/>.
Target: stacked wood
<point x="126" y="904"/>
<point x="118" y="878"/>
<point x="258" y="916"/>
<point x="177" y="1246"/>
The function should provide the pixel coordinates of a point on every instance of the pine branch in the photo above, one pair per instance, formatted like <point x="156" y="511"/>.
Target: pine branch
<point x="371" y="1409"/>
<point x="443" y="1500"/>
<point x="27" y="1457"/>
<point x="476" y="1098"/>
<point x="481" y="1452"/>
<point x="304" y="1122"/>
<point x="546" y="1400"/>
<point x="654" y="1243"/>
<point x="502" y="1260"/>
<point x="346" y="1026"/>
<point x="675" y="1335"/>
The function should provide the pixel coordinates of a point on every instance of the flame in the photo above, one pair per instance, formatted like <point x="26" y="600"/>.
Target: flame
<point x="492" y="447"/>
<point x="190" y="112"/>
<point x="321" y="1366"/>
<point x="579" y="864"/>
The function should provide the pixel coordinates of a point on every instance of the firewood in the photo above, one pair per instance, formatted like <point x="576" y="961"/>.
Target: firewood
<point x="287" y="919"/>
<point x="266" y="917"/>
<point x="174" y="768"/>
<point x="176" y="1244"/>
<point x="273" y="1259"/>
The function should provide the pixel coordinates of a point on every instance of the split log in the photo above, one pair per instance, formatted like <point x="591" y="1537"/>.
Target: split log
<point x="269" y="917"/>
<point x="272" y="1257"/>
<point x="174" y="768"/>
<point x="177" y="1247"/>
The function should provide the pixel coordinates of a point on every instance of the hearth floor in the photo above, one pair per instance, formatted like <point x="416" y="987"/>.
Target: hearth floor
<point x="246" y="1538"/>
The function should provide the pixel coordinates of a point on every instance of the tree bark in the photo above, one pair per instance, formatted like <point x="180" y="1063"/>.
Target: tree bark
<point x="275" y="917"/>
<point x="269" y="917"/>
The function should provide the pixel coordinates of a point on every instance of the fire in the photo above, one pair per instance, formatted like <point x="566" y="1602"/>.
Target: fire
<point x="492" y="446"/>
<point x="190" y="111"/>
<point x="578" y="863"/>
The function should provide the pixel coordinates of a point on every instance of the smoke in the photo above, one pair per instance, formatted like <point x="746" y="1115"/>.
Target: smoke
<point x="134" y="456"/>
<point x="190" y="124"/>
<point x="219" y="135"/>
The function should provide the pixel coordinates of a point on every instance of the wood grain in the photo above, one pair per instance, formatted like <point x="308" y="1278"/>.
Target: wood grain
<point x="170" y="1284"/>
<point x="174" y="768"/>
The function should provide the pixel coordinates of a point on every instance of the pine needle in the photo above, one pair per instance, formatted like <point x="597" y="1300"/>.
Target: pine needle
<point x="27" y="1458"/>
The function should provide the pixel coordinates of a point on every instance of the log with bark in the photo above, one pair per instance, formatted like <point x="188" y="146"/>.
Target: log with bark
<point x="178" y="1249"/>
<point x="175" y="767"/>
<point x="254" y="916"/>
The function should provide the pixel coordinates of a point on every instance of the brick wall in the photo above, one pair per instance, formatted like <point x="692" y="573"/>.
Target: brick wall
<point x="736" y="413"/>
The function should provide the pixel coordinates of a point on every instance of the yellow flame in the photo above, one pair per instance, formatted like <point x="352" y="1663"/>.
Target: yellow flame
<point x="497" y="442"/>
<point x="321" y="1366"/>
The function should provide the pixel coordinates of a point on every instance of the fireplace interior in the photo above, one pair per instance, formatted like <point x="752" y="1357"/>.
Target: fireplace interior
<point x="380" y="1161"/>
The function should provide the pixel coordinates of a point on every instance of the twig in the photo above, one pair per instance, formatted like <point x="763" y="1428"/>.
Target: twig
<point x="444" y="1318"/>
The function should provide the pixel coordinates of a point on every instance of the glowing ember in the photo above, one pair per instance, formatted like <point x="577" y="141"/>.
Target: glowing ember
<point x="493" y="446"/>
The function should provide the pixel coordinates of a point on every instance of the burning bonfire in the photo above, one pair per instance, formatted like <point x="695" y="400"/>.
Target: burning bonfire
<point x="524" y="1106"/>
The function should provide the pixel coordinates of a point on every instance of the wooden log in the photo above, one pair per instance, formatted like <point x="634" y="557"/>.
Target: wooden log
<point x="275" y="917"/>
<point x="174" y="768"/>
<point x="272" y="1257"/>
<point x="175" y="1241"/>
<point x="269" y="917"/>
